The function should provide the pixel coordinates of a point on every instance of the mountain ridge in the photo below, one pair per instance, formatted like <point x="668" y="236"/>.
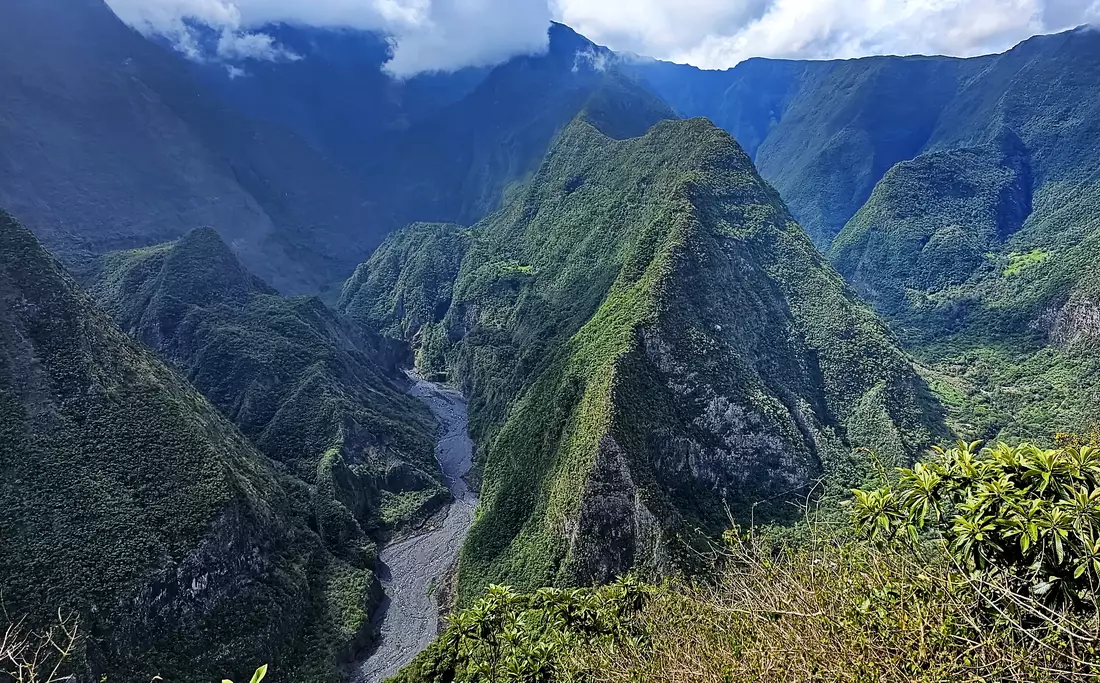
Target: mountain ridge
<point x="319" y="395"/>
<point x="574" y="332"/>
<point x="132" y="503"/>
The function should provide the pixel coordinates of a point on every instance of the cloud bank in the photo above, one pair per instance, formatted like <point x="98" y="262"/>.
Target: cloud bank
<point x="425" y="35"/>
<point x="721" y="33"/>
<point x="445" y="35"/>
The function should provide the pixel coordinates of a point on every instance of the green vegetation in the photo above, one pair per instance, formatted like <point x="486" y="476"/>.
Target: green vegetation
<point x="1018" y="262"/>
<point x="914" y="591"/>
<point x="408" y="281"/>
<point x="931" y="221"/>
<point x="512" y="637"/>
<point x="313" y="392"/>
<point x="130" y="502"/>
<point x="1027" y="516"/>
<point x="645" y="336"/>
<point x="826" y="133"/>
<point x="979" y="251"/>
<point x="1008" y="390"/>
<point x="958" y="196"/>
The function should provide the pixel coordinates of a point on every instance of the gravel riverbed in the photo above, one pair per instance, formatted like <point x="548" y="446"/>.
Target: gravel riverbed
<point x="412" y="569"/>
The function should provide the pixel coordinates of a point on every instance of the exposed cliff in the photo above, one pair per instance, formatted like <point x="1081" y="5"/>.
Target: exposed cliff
<point x="645" y="336"/>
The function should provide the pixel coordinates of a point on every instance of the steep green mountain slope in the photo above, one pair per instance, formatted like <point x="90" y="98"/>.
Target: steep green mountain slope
<point x="1007" y="317"/>
<point x="960" y="197"/>
<point x="1034" y="112"/>
<point x="407" y="287"/>
<point x="313" y="392"/>
<point x="130" y="500"/>
<point x="983" y="256"/>
<point x="645" y="335"/>
<point x="110" y="144"/>
<point x="825" y="133"/>
<point x="932" y="221"/>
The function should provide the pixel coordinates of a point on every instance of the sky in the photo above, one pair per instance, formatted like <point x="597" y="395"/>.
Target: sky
<point x="444" y="35"/>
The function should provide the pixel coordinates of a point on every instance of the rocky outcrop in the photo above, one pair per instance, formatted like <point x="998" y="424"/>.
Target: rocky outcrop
<point x="650" y="345"/>
<point x="1075" y="322"/>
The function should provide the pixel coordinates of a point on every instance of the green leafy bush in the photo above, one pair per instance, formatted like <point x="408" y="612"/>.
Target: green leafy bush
<point x="1027" y="515"/>
<point x="531" y="638"/>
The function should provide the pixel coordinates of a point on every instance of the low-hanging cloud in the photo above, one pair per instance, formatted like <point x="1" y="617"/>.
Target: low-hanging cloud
<point x="425" y="35"/>
<point x="445" y="35"/>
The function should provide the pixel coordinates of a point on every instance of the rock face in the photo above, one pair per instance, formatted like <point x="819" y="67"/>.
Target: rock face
<point x="1076" y="322"/>
<point x="129" y="499"/>
<point x="646" y="336"/>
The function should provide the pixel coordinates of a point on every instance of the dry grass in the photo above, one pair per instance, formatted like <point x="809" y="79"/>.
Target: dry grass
<point x="834" y="610"/>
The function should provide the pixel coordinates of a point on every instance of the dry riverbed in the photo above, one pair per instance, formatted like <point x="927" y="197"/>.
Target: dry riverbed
<point x="413" y="569"/>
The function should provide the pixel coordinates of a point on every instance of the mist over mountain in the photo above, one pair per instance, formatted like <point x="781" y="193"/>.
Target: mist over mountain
<point x="302" y="186"/>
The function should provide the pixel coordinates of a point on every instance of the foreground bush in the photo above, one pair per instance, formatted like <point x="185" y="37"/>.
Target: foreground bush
<point x="934" y="582"/>
<point x="1024" y="515"/>
<point x="507" y="636"/>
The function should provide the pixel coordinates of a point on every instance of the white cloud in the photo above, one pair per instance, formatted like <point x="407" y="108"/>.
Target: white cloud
<point x="596" y="60"/>
<point x="458" y="33"/>
<point x="721" y="33"/>
<point x="426" y="35"/>
<point x="238" y="45"/>
<point x="434" y="35"/>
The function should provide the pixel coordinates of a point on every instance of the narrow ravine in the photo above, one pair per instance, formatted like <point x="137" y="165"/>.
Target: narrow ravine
<point x="412" y="569"/>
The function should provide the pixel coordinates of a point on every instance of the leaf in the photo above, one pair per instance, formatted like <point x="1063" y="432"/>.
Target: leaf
<point x="259" y="675"/>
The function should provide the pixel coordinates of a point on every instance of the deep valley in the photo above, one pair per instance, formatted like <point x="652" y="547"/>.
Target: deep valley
<point x="563" y="364"/>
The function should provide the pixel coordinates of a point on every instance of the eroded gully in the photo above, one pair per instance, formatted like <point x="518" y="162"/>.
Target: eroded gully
<point x="412" y="569"/>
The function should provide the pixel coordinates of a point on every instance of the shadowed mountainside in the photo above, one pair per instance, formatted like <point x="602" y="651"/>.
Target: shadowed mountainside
<point x="319" y="395"/>
<point x="130" y="500"/>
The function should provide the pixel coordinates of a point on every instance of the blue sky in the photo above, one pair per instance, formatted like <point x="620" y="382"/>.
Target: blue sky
<point x="449" y="34"/>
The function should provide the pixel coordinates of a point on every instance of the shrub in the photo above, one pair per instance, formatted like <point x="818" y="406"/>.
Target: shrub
<point x="1029" y="515"/>
<point x="906" y="595"/>
<point x="40" y="656"/>
<point x="832" y="609"/>
<point x="531" y="638"/>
